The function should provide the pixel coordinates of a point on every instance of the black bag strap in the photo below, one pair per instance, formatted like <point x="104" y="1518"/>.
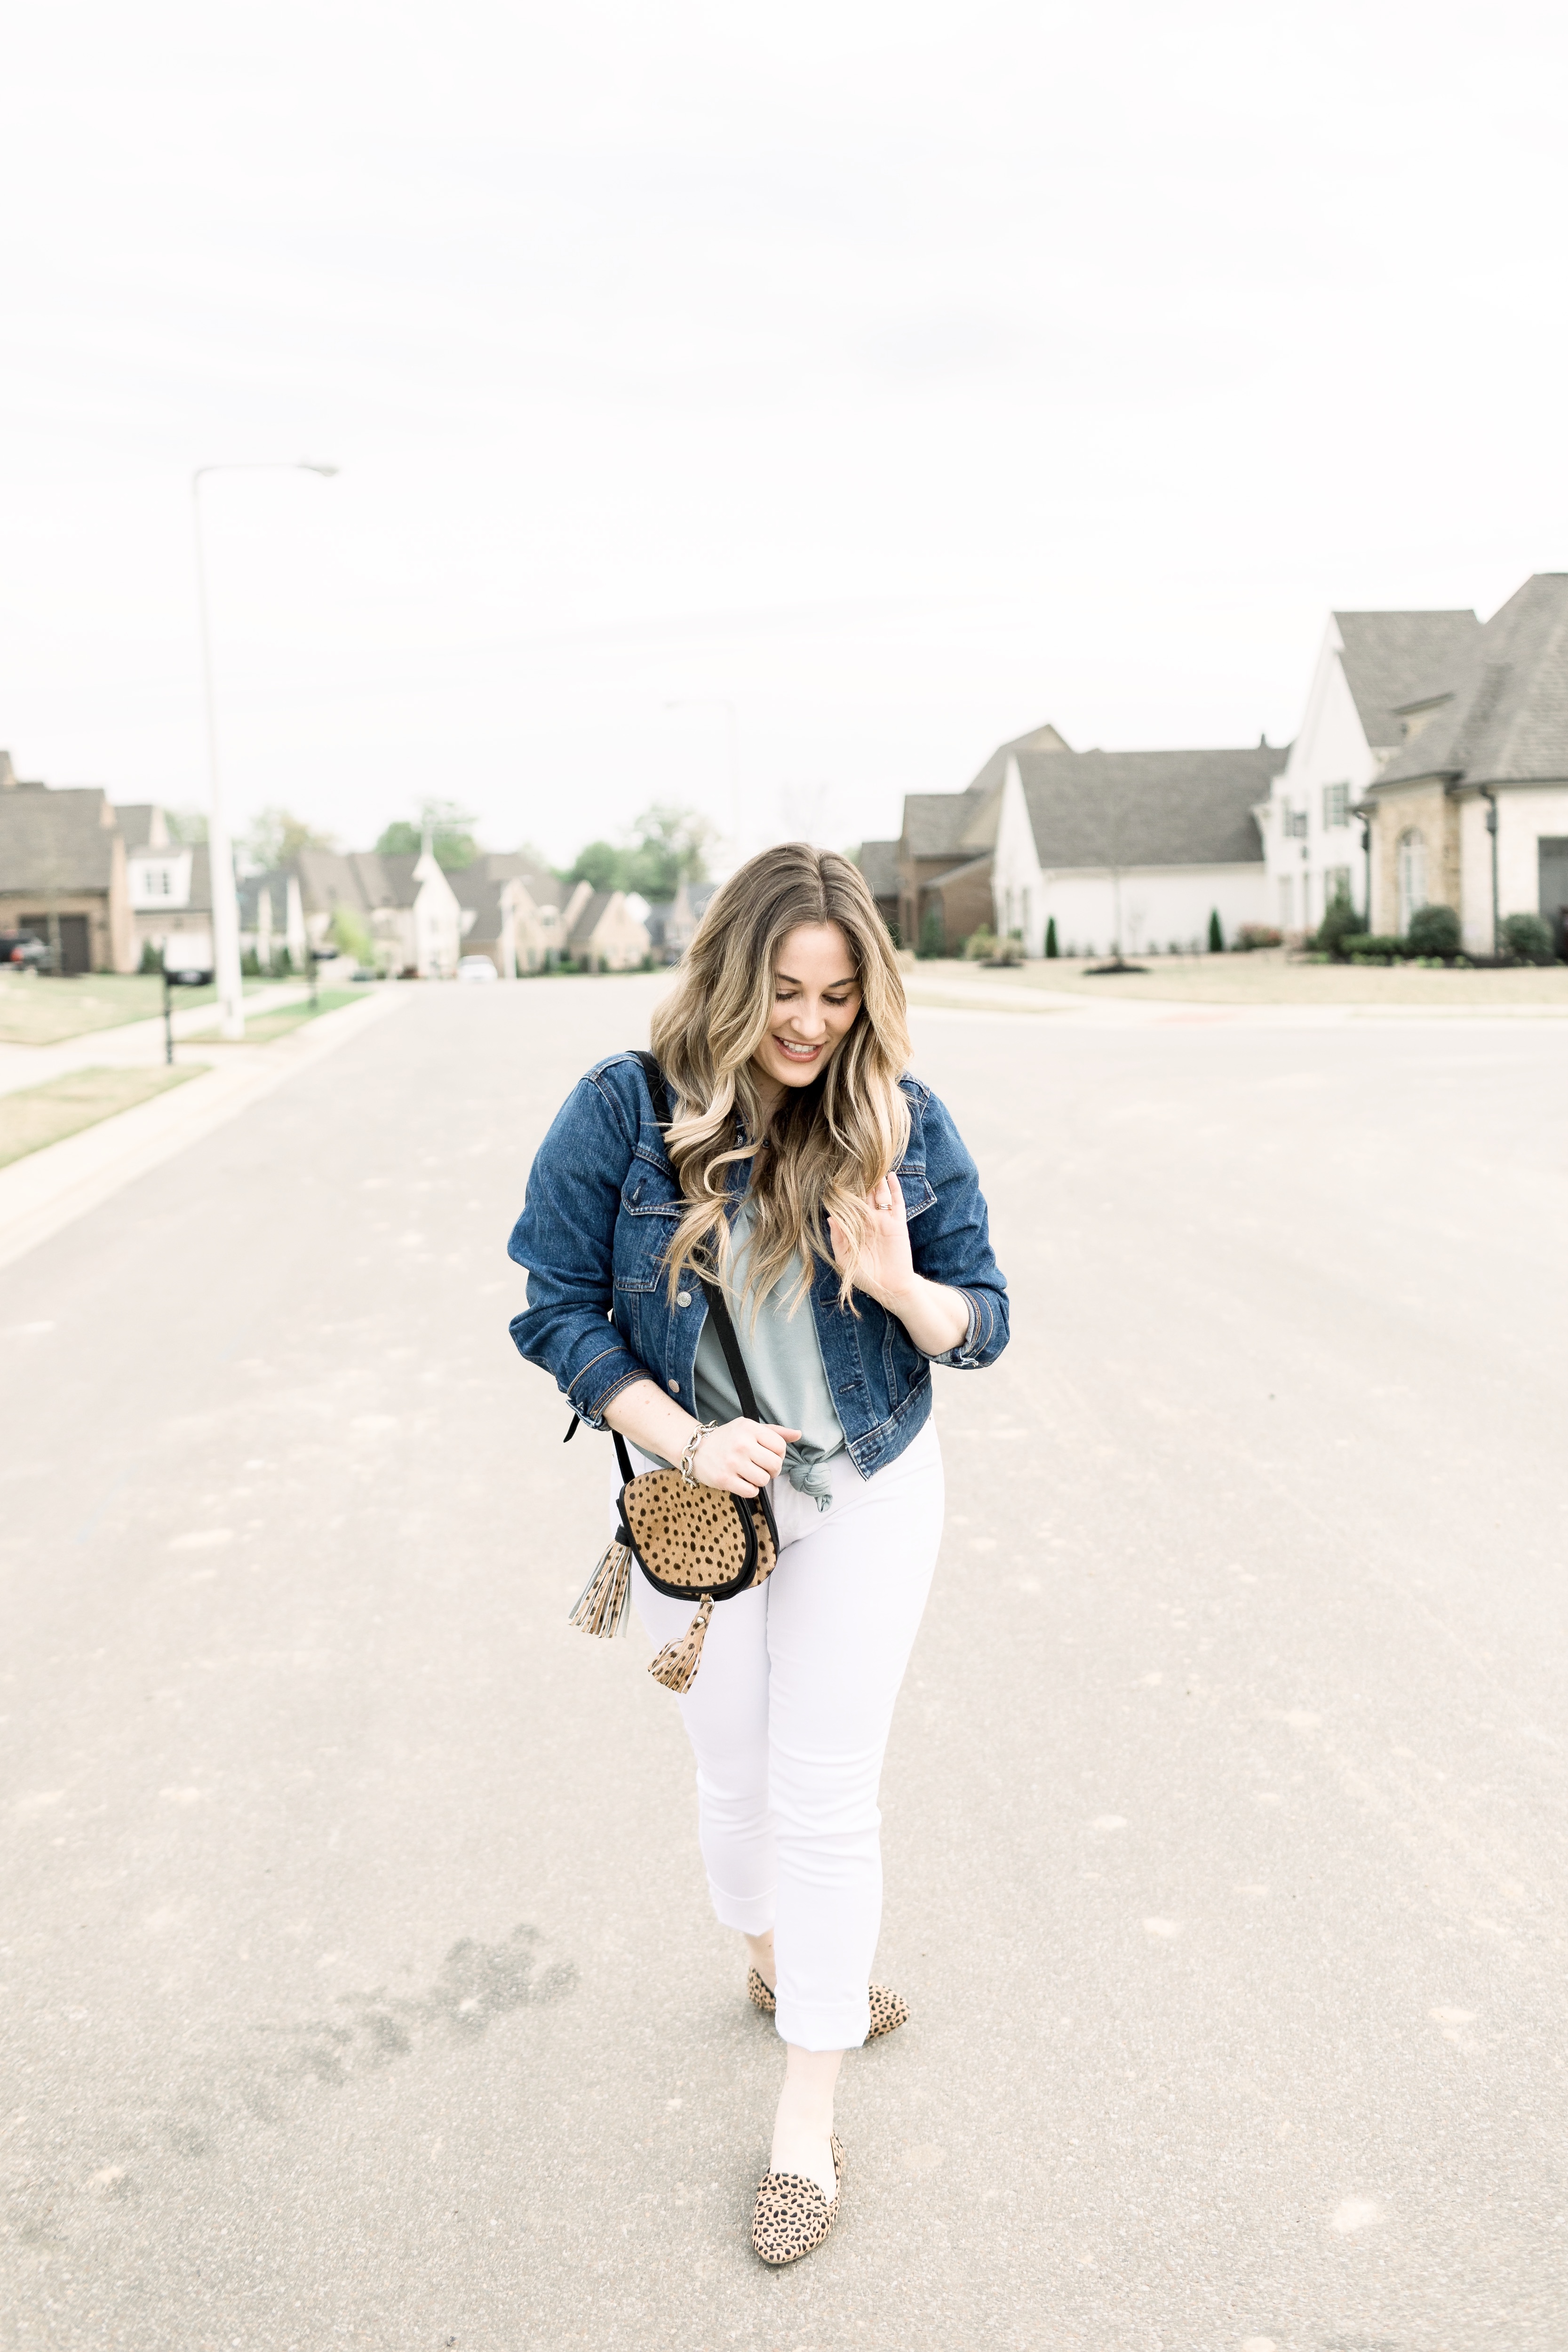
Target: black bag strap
<point x="713" y="1292"/>
<point x="718" y="1305"/>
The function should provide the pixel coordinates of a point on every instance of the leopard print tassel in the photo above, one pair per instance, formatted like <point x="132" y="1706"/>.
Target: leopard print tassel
<point x="604" y="1604"/>
<point x="677" y="1664"/>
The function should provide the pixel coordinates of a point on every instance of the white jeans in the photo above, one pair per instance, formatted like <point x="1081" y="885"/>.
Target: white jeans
<point x="789" y="1718"/>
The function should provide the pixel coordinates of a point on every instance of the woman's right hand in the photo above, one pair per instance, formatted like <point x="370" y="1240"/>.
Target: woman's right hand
<point x="739" y="1456"/>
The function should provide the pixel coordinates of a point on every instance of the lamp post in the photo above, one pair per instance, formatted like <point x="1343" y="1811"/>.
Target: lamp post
<point x="732" y="730"/>
<point x="220" y="854"/>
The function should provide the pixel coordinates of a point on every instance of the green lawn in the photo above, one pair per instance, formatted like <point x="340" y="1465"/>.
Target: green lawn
<point x="35" y="1012"/>
<point x="1266" y="978"/>
<point x="266" y="1026"/>
<point x="37" y="1116"/>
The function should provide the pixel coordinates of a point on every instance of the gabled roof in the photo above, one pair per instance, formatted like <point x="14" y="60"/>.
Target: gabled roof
<point x="589" y="917"/>
<point x="1387" y="656"/>
<point x="1038" y="738"/>
<point x="879" y="862"/>
<point x="1147" y="808"/>
<point x="1501" y="713"/>
<point x="140" y="822"/>
<point x="51" y="840"/>
<point x="257" y="887"/>
<point x="367" y="879"/>
<point x="949" y="824"/>
<point x="484" y="897"/>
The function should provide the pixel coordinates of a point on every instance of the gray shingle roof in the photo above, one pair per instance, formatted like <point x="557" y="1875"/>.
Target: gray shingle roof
<point x="361" y="879"/>
<point x="947" y="824"/>
<point x="136" y="822"/>
<point x="1038" y="738"/>
<point x="1388" y="655"/>
<point x="879" y="862"/>
<point x="254" y="888"/>
<point x="484" y="897"/>
<point x="1505" y="719"/>
<point x="587" y="922"/>
<point x="61" y="840"/>
<point x="1147" y="808"/>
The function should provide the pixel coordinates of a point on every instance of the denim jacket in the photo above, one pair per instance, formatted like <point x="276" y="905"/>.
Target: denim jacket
<point x="603" y="1203"/>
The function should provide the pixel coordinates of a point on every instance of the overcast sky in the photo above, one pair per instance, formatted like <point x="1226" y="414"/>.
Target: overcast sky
<point x="902" y="376"/>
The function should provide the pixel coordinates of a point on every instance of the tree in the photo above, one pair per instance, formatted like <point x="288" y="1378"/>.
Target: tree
<point x="934" y="931"/>
<point x="600" y="864"/>
<point x="1216" y="936"/>
<point x="275" y="836"/>
<point x="188" y="826"/>
<point x="352" y="935"/>
<point x="668" y="848"/>
<point x="449" y="827"/>
<point x="1051" y="947"/>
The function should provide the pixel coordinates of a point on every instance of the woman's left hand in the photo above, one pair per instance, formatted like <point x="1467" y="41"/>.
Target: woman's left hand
<point x="884" y="1267"/>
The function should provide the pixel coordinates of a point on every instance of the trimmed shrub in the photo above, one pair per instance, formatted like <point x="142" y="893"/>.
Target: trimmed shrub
<point x="1377" y="947"/>
<point x="1341" y="927"/>
<point x="152" y="956"/>
<point x="1433" y="931"/>
<point x="1527" y="939"/>
<point x="1051" y="947"/>
<point x="980" y="944"/>
<point x="1257" y="935"/>
<point x="932" y="941"/>
<point x="1217" y="935"/>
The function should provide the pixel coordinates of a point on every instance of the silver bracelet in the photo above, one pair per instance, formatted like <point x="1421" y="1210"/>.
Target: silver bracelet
<point x="692" y="1442"/>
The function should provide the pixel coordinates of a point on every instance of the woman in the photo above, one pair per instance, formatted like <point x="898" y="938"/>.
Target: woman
<point x="831" y="1195"/>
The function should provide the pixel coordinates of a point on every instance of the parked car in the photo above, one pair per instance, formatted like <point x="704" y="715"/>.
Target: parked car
<point x="477" y="967"/>
<point x="21" y="951"/>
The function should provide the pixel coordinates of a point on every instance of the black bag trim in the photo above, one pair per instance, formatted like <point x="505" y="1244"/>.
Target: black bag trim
<point x="718" y="1309"/>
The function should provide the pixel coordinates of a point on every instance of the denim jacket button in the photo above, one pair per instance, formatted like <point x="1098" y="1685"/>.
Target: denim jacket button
<point x="683" y="1298"/>
<point x="675" y="1388"/>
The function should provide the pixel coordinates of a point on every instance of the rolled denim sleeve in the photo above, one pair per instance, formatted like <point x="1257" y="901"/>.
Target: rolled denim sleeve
<point x="951" y="1243"/>
<point x="566" y="1239"/>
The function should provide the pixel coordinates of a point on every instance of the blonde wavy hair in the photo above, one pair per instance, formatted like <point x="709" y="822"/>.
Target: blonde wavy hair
<point x="828" y="1144"/>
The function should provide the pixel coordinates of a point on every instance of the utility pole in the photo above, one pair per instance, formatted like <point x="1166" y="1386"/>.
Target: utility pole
<point x="220" y="851"/>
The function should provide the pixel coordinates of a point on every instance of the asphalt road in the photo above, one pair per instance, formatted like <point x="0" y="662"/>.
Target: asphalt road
<point x="358" y="1983"/>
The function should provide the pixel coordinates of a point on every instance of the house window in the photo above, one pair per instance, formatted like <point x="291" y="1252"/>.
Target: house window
<point x="1295" y="825"/>
<point x="1336" y="805"/>
<point x="1412" y="871"/>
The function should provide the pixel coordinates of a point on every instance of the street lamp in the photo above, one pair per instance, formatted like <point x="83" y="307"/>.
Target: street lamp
<point x="1490" y="800"/>
<point x="220" y="855"/>
<point x="732" y="730"/>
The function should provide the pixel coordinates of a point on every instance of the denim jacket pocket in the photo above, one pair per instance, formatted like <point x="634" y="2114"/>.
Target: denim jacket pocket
<point x="916" y="1190"/>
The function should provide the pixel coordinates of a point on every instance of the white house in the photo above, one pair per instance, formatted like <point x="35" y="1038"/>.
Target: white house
<point x="1128" y="849"/>
<point x="170" y="882"/>
<point x="1314" y="841"/>
<point x="1484" y="734"/>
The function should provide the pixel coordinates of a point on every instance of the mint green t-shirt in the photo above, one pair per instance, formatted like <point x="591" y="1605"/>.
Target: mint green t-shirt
<point x="784" y="1356"/>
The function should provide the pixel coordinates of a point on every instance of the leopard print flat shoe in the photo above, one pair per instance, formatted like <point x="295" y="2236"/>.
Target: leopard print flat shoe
<point x="792" y="2216"/>
<point x="889" y="2010"/>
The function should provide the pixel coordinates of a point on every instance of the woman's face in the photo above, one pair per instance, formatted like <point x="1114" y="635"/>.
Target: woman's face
<point x="816" y="998"/>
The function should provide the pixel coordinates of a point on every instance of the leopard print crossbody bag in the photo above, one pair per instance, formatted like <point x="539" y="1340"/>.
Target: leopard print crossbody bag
<point x="691" y="1542"/>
